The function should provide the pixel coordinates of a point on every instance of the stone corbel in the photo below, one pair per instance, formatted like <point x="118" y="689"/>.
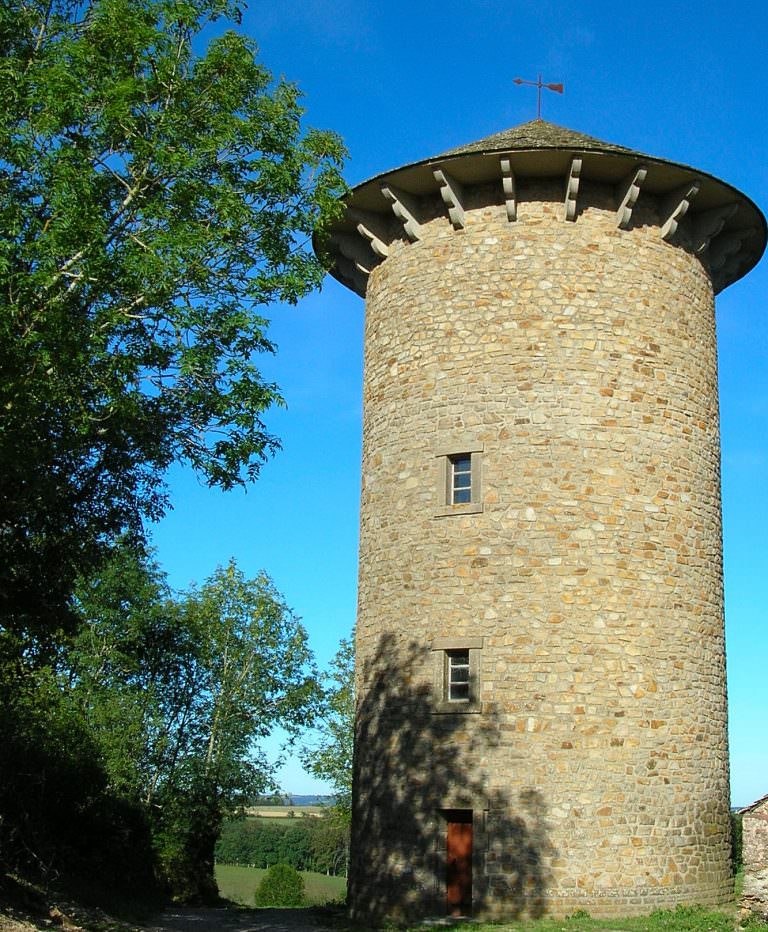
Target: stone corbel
<point x="510" y="189"/>
<point x="675" y="207"/>
<point x="373" y="228"/>
<point x="452" y="194"/>
<point x="406" y="208"/>
<point x="572" y="188"/>
<point x="627" y="195"/>
<point x="726" y="257"/>
<point x="357" y="250"/>
<point x="355" y="279"/>
<point x="709" y="224"/>
<point x="725" y="246"/>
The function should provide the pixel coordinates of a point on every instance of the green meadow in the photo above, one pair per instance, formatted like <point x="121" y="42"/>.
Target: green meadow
<point x="238" y="884"/>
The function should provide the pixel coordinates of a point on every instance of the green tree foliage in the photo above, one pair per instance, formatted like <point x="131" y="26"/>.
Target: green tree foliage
<point x="157" y="191"/>
<point x="59" y="819"/>
<point x="330" y="842"/>
<point x="130" y="667"/>
<point x="177" y="692"/>
<point x="145" y="734"/>
<point x="329" y="757"/>
<point x="308" y="843"/>
<point x="282" y="885"/>
<point x="737" y="839"/>
<point x="152" y="202"/>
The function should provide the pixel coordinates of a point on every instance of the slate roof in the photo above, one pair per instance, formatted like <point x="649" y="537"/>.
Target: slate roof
<point x="755" y="805"/>
<point x="537" y="134"/>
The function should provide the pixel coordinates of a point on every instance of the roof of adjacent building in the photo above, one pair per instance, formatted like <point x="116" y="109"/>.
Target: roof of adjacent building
<point x="757" y="804"/>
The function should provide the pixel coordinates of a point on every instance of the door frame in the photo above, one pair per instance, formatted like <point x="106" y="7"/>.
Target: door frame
<point x="460" y="817"/>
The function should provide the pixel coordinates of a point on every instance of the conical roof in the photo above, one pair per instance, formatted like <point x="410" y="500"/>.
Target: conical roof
<point x="393" y="203"/>
<point x="536" y="134"/>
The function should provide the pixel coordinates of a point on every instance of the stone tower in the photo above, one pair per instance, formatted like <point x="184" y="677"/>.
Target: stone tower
<point x="541" y="720"/>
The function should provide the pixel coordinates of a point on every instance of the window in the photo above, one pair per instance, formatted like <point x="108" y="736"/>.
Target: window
<point x="458" y="478"/>
<point x="457" y="674"/>
<point x="461" y="479"/>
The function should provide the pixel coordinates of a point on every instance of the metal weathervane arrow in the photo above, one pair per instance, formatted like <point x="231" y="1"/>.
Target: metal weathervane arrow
<point x="557" y="88"/>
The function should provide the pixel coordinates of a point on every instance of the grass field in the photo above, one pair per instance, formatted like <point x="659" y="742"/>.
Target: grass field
<point x="239" y="885"/>
<point x="285" y="812"/>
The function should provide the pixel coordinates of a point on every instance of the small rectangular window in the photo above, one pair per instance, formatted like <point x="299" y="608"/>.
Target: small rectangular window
<point x="461" y="479"/>
<point x="458" y="477"/>
<point x="458" y="676"/>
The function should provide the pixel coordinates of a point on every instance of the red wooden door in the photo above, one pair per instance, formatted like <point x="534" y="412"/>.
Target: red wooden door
<point x="459" y="880"/>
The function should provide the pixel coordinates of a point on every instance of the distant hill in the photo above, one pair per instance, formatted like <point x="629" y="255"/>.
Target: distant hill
<point x="298" y="800"/>
<point x="293" y="799"/>
<point x="289" y="806"/>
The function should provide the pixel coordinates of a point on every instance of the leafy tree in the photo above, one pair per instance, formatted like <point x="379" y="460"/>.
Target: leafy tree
<point x="737" y="838"/>
<point x="60" y="822"/>
<point x="266" y="845"/>
<point x="177" y="690"/>
<point x="330" y="757"/>
<point x="282" y="885"/>
<point x="130" y="667"/>
<point x="241" y="841"/>
<point x="152" y="202"/>
<point x="253" y="673"/>
<point x="329" y="839"/>
<point x="296" y="846"/>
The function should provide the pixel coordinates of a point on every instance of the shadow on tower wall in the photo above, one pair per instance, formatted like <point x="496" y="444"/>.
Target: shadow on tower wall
<point x="412" y="768"/>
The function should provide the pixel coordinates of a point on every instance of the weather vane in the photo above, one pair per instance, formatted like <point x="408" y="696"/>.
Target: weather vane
<point x="557" y="88"/>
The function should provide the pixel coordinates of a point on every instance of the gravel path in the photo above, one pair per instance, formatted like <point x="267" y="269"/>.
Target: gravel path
<point x="184" y="919"/>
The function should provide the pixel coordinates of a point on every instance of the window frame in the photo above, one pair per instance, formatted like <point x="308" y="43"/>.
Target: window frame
<point x="446" y="459"/>
<point x="456" y="662"/>
<point x="443" y="649"/>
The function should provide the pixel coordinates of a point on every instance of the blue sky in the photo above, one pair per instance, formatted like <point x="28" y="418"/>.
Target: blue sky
<point x="401" y="81"/>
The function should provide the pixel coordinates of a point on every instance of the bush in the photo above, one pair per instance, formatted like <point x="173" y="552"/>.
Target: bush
<point x="282" y="885"/>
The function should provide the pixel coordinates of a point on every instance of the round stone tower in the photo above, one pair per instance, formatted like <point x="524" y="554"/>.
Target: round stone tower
<point x="541" y="722"/>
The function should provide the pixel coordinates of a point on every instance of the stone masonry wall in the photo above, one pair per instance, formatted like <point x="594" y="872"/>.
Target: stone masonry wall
<point x="581" y="359"/>
<point x="755" y="852"/>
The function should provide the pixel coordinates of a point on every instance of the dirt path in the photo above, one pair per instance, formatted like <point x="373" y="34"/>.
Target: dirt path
<point x="185" y="919"/>
<point x="224" y="919"/>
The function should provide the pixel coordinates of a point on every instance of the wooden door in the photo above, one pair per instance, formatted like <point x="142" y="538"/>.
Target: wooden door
<point x="459" y="863"/>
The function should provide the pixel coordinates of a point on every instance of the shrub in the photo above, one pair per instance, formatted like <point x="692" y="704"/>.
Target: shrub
<point x="282" y="885"/>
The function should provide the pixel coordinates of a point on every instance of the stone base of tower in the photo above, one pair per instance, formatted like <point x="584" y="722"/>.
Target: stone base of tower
<point x="414" y="905"/>
<point x="429" y="849"/>
<point x="509" y="883"/>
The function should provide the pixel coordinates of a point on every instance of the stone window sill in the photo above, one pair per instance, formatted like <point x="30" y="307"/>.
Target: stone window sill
<point x="472" y="508"/>
<point x="455" y="708"/>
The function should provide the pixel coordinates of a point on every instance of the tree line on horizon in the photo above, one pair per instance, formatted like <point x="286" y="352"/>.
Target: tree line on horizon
<point x="307" y="844"/>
